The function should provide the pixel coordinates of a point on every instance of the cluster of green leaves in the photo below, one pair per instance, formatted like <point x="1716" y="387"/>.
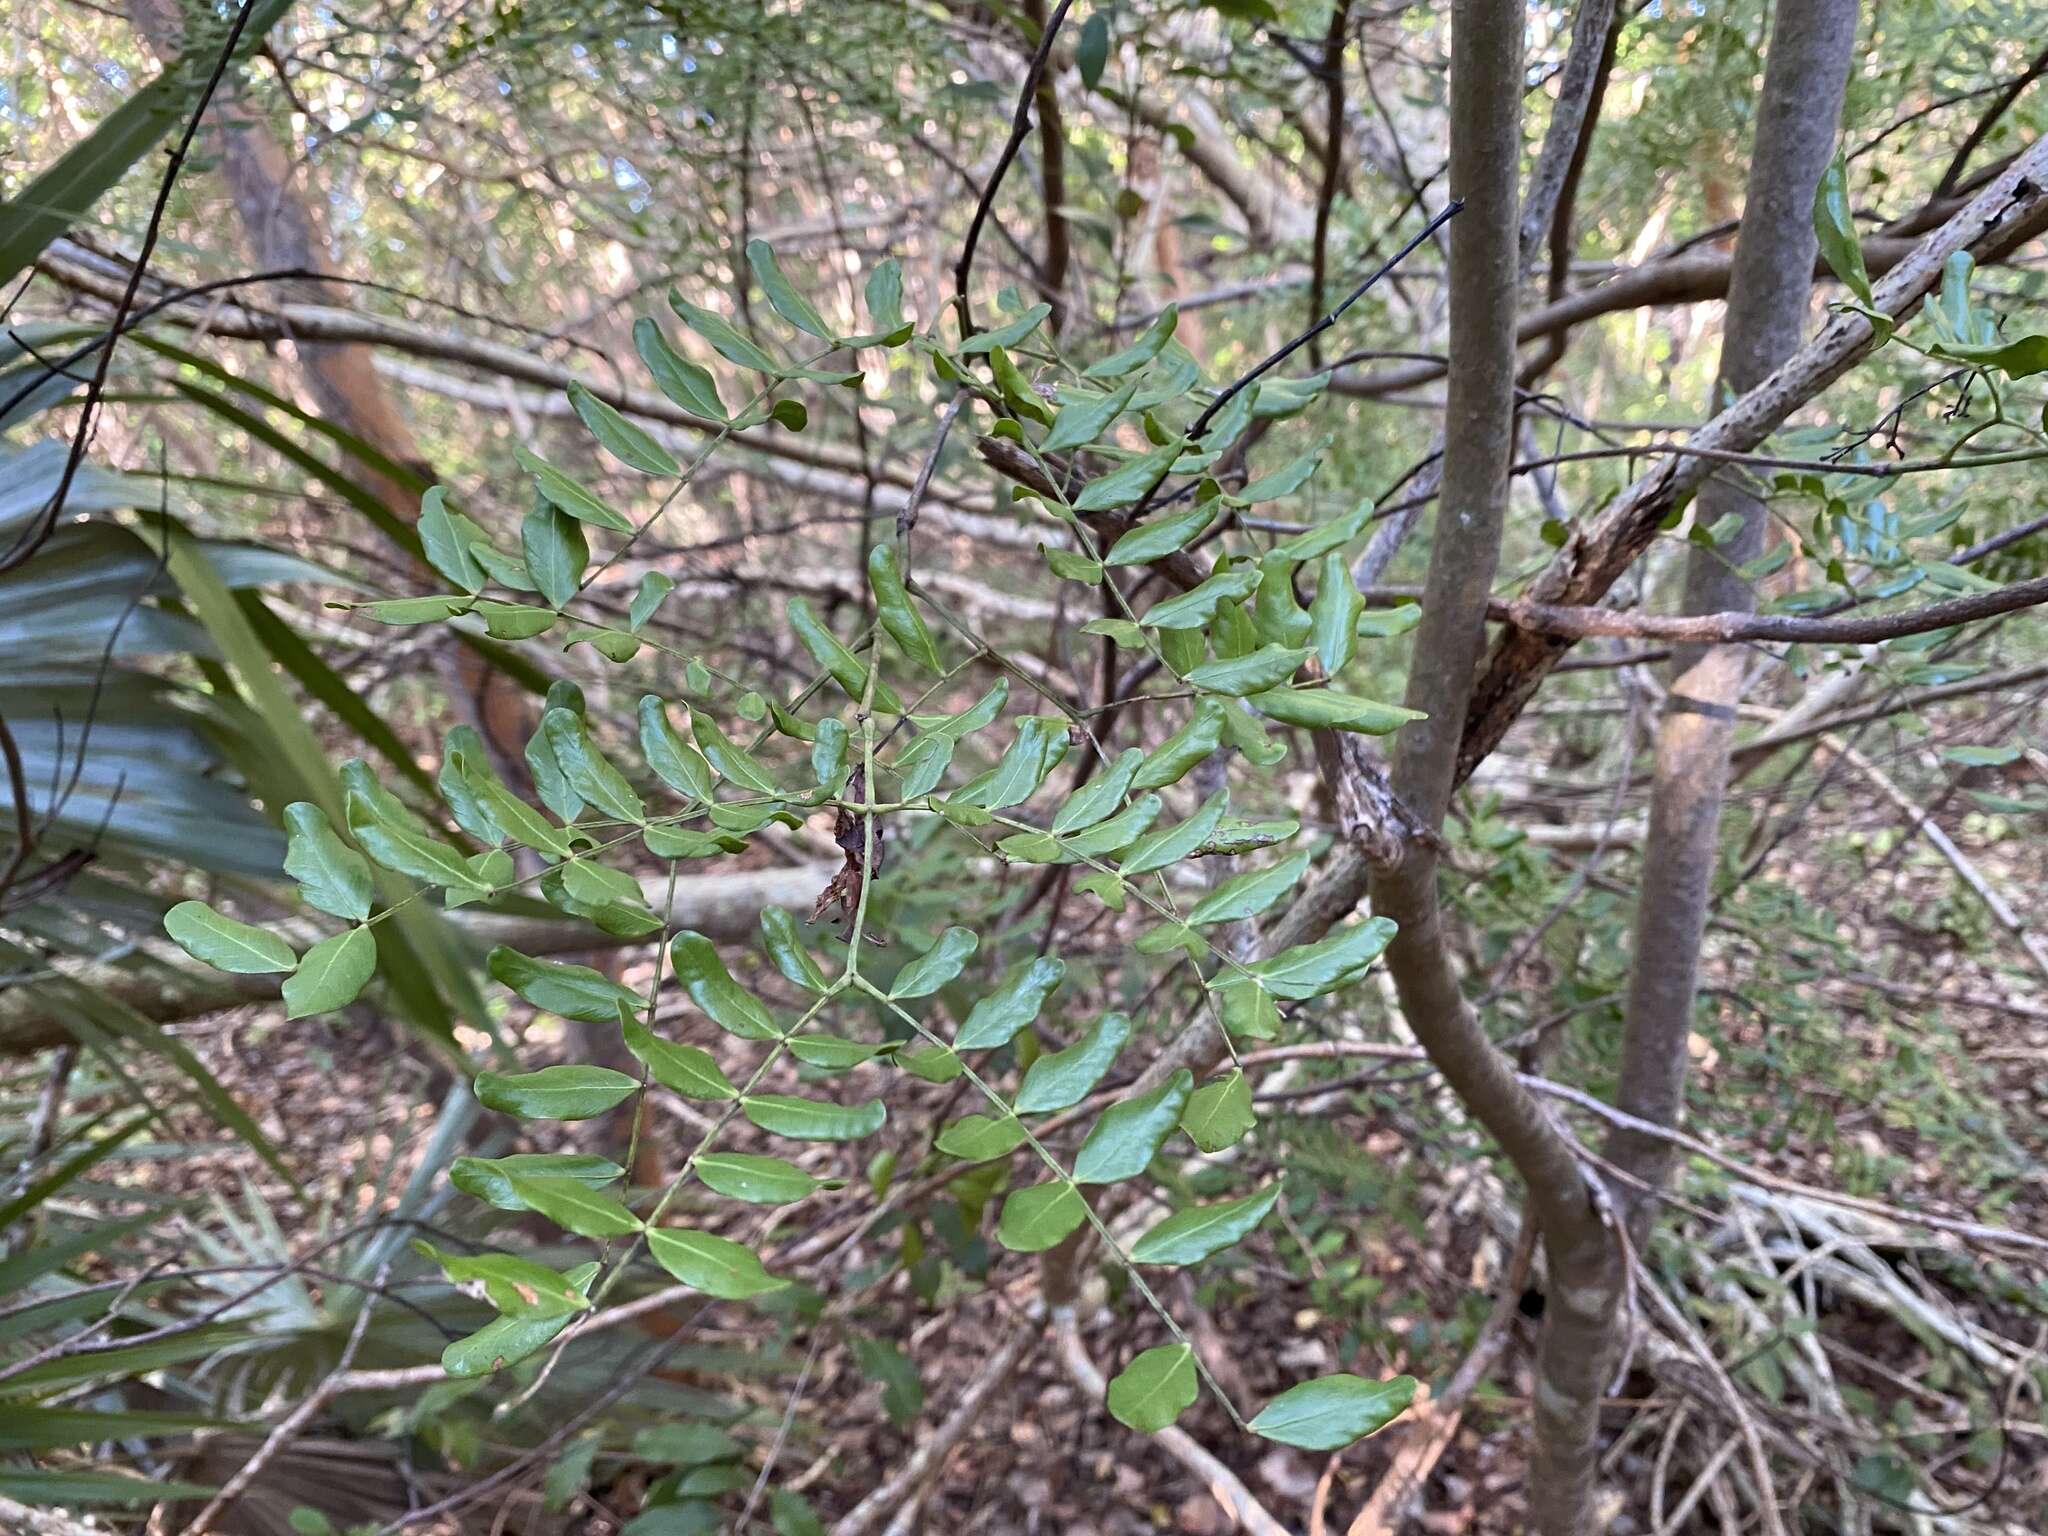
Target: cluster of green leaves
<point x="1243" y="651"/>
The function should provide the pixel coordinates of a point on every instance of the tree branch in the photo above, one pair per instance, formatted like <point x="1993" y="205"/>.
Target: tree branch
<point x="1599" y="550"/>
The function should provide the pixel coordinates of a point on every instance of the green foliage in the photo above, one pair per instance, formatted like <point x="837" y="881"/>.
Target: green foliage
<point x="705" y="792"/>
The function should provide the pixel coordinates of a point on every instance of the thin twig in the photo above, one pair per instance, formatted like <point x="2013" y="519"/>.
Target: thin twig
<point x="1020" y="125"/>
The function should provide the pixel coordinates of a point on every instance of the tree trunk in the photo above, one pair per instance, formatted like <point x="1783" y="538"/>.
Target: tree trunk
<point x="1486" y="77"/>
<point x="1804" y="79"/>
<point x="283" y="229"/>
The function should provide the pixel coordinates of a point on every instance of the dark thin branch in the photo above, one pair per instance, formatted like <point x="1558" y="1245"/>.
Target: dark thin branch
<point x="1451" y="211"/>
<point x="1961" y="160"/>
<point x="1333" y="162"/>
<point x="1020" y="125"/>
<point x="39" y="529"/>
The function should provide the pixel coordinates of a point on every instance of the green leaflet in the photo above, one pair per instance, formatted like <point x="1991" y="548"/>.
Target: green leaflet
<point x="1280" y="398"/>
<point x="1317" y="708"/>
<point x="331" y="975"/>
<point x="675" y="762"/>
<point x="812" y="1120"/>
<point x="1159" y="537"/>
<point x="1277" y="614"/>
<point x="1127" y="484"/>
<point x="556" y="552"/>
<point x="1266" y="667"/>
<point x="574" y="1206"/>
<point x="609" y="897"/>
<point x="832" y="1053"/>
<point x="898" y="614"/>
<point x="1220" y="1113"/>
<point x="1040" y="1217"/>
<point x="1247" y="895"/>
<point x="687" y="843"/>
<point x="647" y="598"/>
<point x="626" y="442"/>
<point x="568" y="494"/>
<point x="1196" y="607"/>
<point x="1040" y="746"/>
<point x="1287" y="479"/>
<point x="612" y="644"/>
<point x="415" y="610"/>
<point x="683" y="1069"/>
<point x="520" y="821"/>
<point x="757" y="1180"/>
<point x="2021" y="357"/>
<point x="1171" y="844"/>
<point x="839" y="663"/>
<point x="1098" y="799"/>
<point x="1129" y="1135"/>
<point x="1835" y="223"/>
<point x="1325" y="537"/>
<point x="1150" y="343"/>
<point x="786" y="948"/>
<point x="981" y="713"/>
<point x="830" y="753"/>
<point x="461" y="753"/>
<point x="727" y="342"/>
<point x="923" y="763"/>
<point x="979" y="1138"/>
<point x="1333" y="616"/>
<point x="1016" y="390"/>
<point x="448" y="538"/>
<point x="506" y="1341"/>
<point x="683" y="381"/>
<point x="1069" y="566"/>
<point x="937" y="1064"/>
<point x="1154" y="1389"/>
<point x="394" y="843"/>
<point x="685" y="1445"/>
<point x="883" y="295"/>
<point x="1310" y="970"/>
<point x="1385" y="623"/>
<point x="1331" y="1412"/>
<point x="589" y="772"/>
<point x="1249" y="1011"/>
<point x="995" y="1020"/>
<point x="1064" y="1078"/>
<point x="1192" y="1235"/>
<point x="573" y="991"/>
<point x="516" y="1287"/>
<point x="490" y="1179"/>
<point x="786" y="301"/>
<point x="1085" y="418"/>
<point x="1006" y="336"/>
<point x="554" y="1093"/>
<point x="1091" y="53"/>
<point x="1174" y="757"/>
<point x="724" y="1001"/>
<point x="1122" y="632"/>
<point x="936" y="966"/>
<point x="717" y="1266"/>
<point x="1119" y="832"/>
<point x="734" y="764"/>
<point x="225" y="944"/>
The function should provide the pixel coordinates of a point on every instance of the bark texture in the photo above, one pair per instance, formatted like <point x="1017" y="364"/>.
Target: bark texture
<point x="1804" y="76"/>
